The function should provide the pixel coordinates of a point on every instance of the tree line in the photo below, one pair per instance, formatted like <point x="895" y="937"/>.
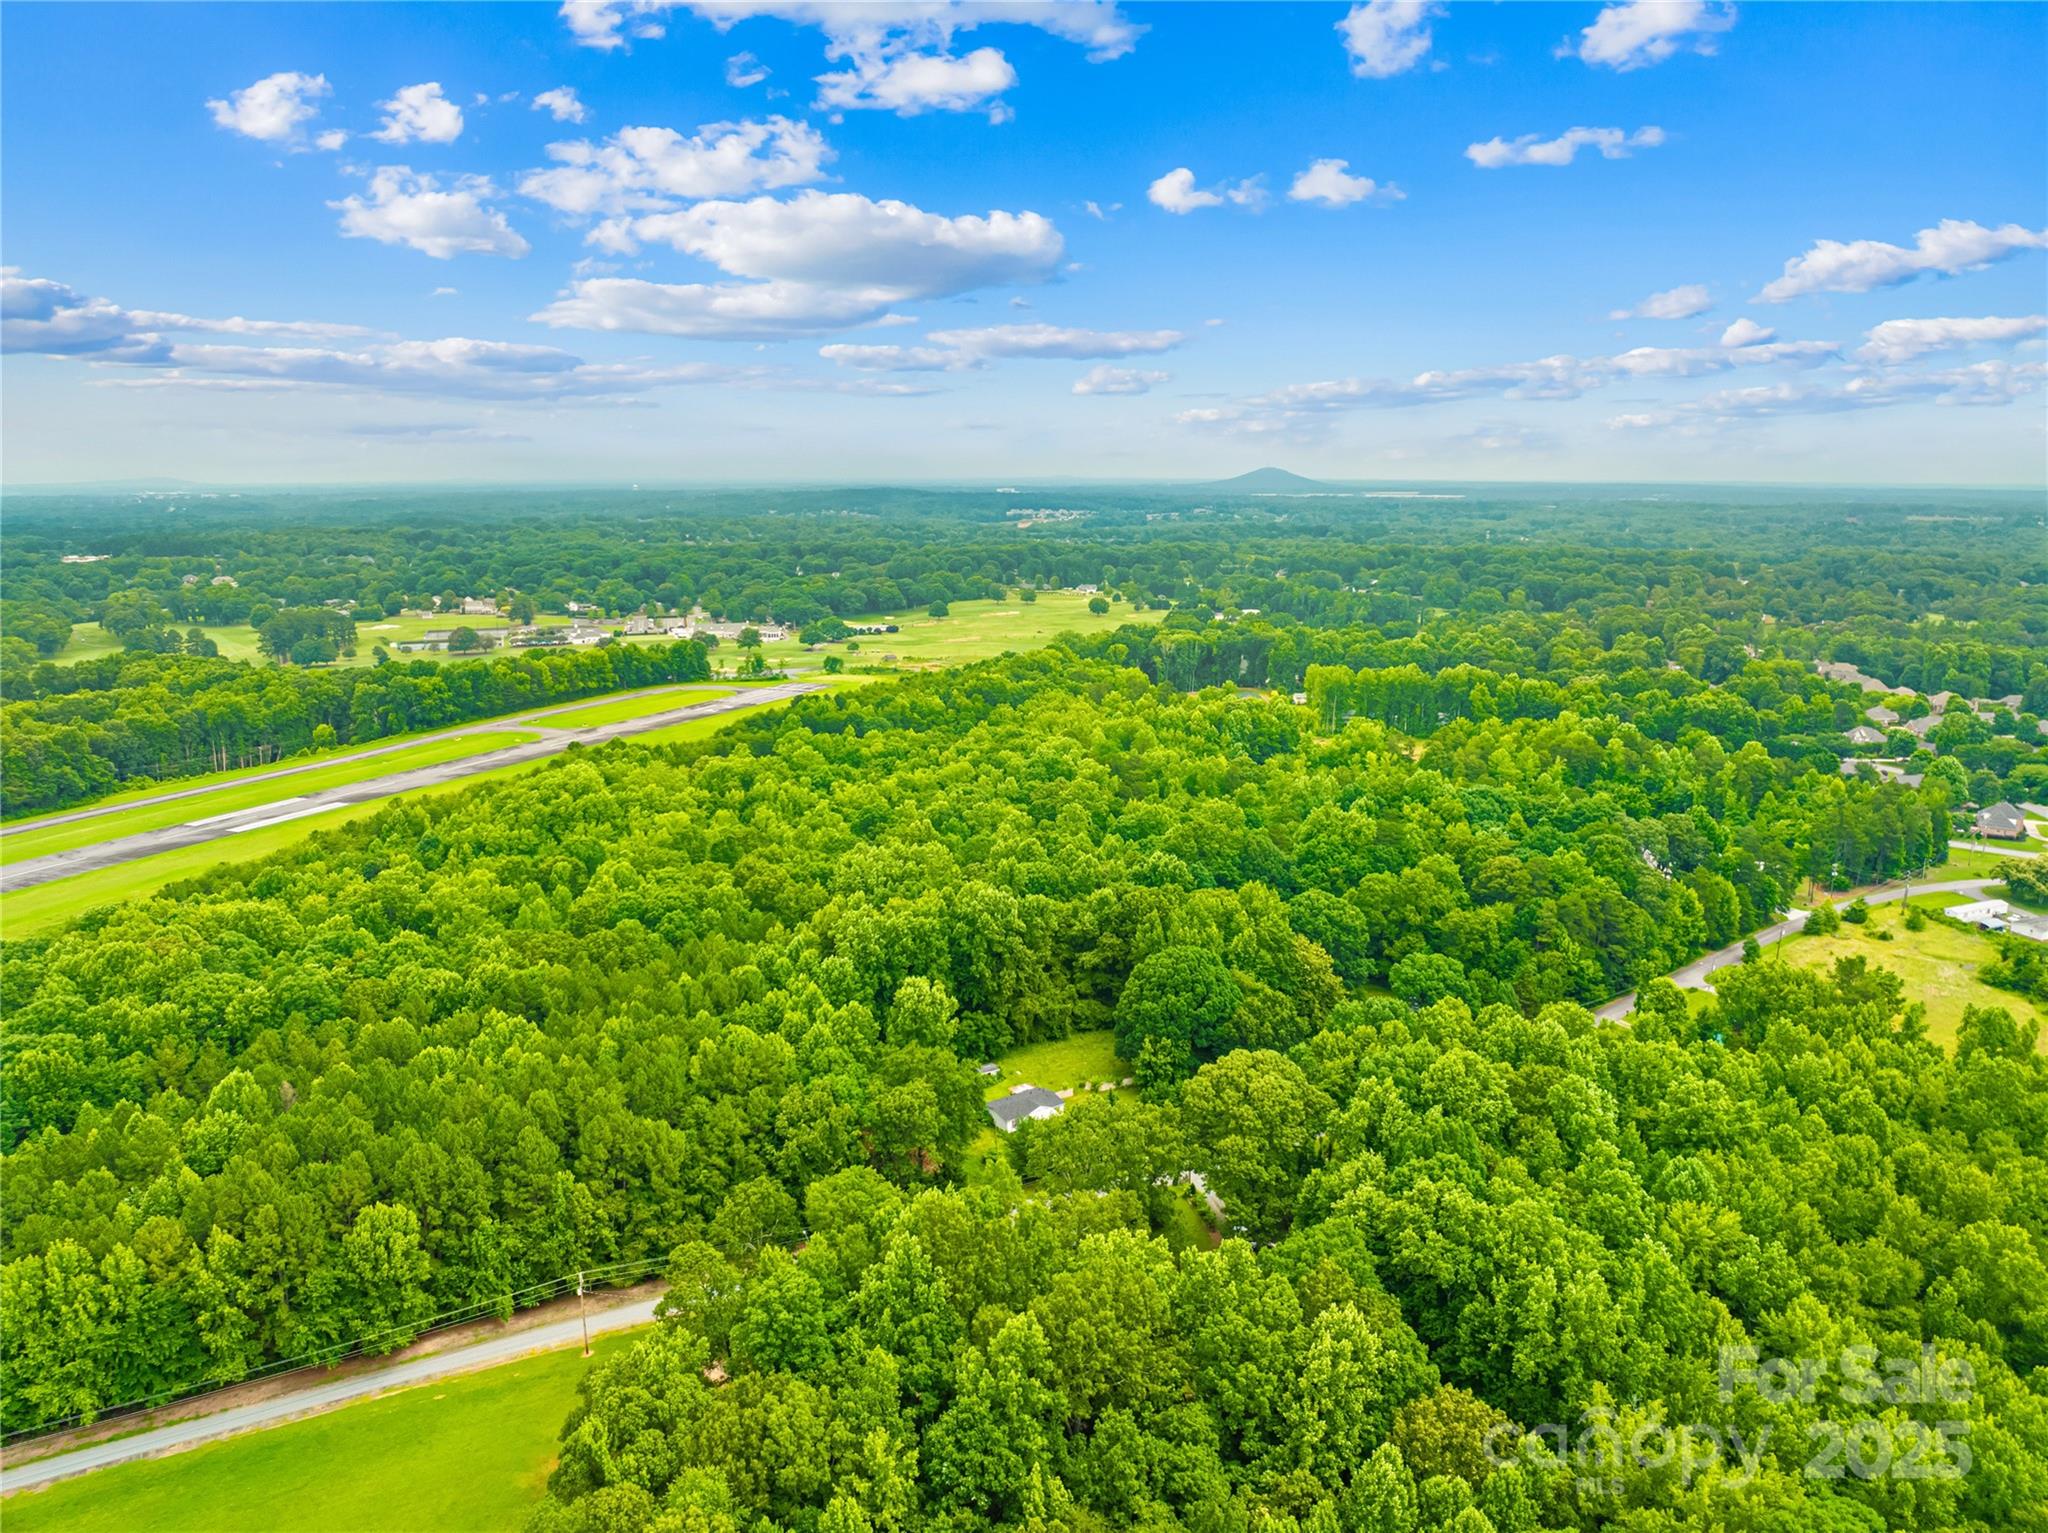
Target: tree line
<point x="88" y="729"/>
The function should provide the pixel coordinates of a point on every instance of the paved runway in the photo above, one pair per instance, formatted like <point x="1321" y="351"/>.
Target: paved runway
<point x="108" y="854"/>
<point x="318" y="1396"/>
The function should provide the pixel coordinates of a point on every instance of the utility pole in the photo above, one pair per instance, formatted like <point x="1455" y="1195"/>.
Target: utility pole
<point x="582" y="1313"/>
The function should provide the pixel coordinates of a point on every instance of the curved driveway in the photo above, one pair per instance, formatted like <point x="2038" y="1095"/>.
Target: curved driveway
<point x="108" y="854"/>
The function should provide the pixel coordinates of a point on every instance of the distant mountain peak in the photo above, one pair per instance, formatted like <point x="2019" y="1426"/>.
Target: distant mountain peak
<point x="1268" y="479"/>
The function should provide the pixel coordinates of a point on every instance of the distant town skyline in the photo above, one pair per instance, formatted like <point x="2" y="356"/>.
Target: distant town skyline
<point x="918" y="240"/>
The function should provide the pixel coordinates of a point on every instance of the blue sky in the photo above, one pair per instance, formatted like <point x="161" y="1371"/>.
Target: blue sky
<point x="762" y="240"/>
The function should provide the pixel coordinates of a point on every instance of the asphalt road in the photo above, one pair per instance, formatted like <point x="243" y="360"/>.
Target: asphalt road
<point x="180" y="1435"/>
<point x="1694" y="975"/>
<point x="112" y="853"/>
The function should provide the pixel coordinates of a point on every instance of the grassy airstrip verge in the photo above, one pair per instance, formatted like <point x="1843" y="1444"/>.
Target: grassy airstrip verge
<point x="471" y="1452"/>
<point x="611" y="711"/>
<point x="18" y="846"/>
<point x="30" y="912"/>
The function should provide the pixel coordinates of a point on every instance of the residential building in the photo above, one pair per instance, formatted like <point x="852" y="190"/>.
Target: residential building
<point x="2003" y="821"/>
<point x="1863" y="734"/>
<point x="1024" y="1102"/>
<point x="1887" y="771"/>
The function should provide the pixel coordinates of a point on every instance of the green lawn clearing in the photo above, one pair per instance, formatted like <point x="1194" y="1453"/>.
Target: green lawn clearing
<point x="452" y="1455"/>
<point x="1938" y="964"/>
<point x="1059" y="1065"/>
<point x="1968" y="862"/>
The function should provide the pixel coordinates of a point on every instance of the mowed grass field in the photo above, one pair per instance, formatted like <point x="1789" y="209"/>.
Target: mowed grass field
<point x="17" y="846"/>
<point x="972" y="630"/>
<point x="452" y="1455"/>
<point x="1060" y="1064"/>
<point x="1968" y="862"/>
<point x="1938" y="965"/>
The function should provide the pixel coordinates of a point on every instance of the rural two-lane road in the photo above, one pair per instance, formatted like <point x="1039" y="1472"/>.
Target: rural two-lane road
<point x="1694" y="975"/>
<point x="196" y="1430"/>
<point x="112" y="853"/>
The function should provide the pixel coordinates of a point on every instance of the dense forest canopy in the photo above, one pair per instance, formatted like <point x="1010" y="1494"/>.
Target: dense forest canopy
<point x="715" y="1009"/>
<point x="1931" y="593"/>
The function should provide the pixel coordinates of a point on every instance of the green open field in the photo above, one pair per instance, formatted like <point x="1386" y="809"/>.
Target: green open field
<point x="237" y="641"/>
<point x="16" y="846"/>
<point x="1938" y="964"/>
<point x="465" y="1453"/>
<point x="603" y="711"/>
<point x="974" y="630"/>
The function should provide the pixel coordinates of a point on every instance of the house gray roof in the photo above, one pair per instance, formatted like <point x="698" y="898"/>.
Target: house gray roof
<point x="1863" y="734"/>
<point x="1881" y="715"/>
<point x="2002" y="816"/>
<point x="1024" y="1102"/>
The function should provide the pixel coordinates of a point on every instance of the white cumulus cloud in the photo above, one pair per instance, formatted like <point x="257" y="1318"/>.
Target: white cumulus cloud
<point x="812" y="263"/>
<point x="273" y="109"/>
<point x="1331" y="183"/>
<point x="1534" y="149"/>
<point x="1673" y="303"/>
<point x="1637" y="33"/>
<point x="1747" y="332"/>
<point x="1387" y="37"/>
<point x="1117" y="380"/>
<point x="1951" y="246"/>
<point x="417" y="210"/>
<point x="898" y="359"/>
<point x="1177" y="193"/>
<point x="562" y="104"/>
<point x="1055" y="341"/>
<point x="912" y="83"/>
<point x="646" y="168"/>
<point x="422" y="113"/>
<point x="743" y="70"/>
<point x="897" y="54"/>
<point x="1901" y="340"/>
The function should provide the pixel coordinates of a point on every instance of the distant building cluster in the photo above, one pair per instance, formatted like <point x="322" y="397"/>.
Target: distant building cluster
<point x="582" y="628"/>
